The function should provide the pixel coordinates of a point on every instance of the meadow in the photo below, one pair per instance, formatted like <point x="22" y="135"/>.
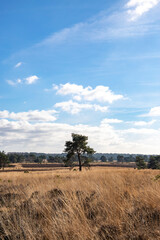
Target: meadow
<point x="100" y="203"/>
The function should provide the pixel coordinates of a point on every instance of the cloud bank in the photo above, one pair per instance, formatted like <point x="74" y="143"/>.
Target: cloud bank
<point x="36" y="115"/>
<point x="18" y="135"/>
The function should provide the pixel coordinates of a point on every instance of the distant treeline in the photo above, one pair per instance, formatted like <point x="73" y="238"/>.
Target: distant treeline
<point x="141" y="161"/>
<point x="153" y="163"/>
<point x="34" y="157"/>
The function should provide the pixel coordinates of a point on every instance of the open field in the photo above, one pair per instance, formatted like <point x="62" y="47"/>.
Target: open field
<point x="101" y="203"/>
<point x="20" y="167"/>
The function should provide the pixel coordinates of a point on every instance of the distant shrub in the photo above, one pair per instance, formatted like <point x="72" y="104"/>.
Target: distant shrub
<point x="140" y="163"/>
<point x="154" y="162"/>
<point x="57" y="176"/>
<point x="157" y="177"/>
<point x="26" y="171"/>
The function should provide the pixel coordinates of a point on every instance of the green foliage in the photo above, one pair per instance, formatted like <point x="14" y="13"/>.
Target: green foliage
<point x="140" y="163"/>
<point x="157" y="177"/>
<point x="69" y="162"/>
<point x="3" y="159"/>
<point x="78" y="146"/>
<point x="154" y="162"/>
<point x="103" y="158"/>
<point x="15" y="157"/>
<point x="26" y="171"/>
<point x="55" y="159"/>
<point x="110" y="159"/>
<point x="120" y="158"/>
<point x="86" y="161"/>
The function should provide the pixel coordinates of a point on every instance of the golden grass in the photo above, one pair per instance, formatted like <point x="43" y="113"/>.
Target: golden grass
<point x="96" y="204"/>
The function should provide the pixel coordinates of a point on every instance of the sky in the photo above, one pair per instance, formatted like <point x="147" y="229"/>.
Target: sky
<point x="80" y="66"/>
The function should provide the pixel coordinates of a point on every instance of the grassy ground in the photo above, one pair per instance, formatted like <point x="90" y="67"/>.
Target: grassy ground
<point x="118" y="204"/>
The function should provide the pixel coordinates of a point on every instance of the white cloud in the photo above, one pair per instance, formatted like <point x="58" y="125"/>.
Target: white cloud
<point x="14" y="83"/>
<point x="18" y="65"/>
<point x="36" y="115"/>
<point x="100" y="108"/>
<point x="142" y="131"/>
<point x="104" y="26"/>
<point x="154" y="112"/>
<point x="78" y="92"/>
<point x="62" y="35"/>
<point x="74" y="107"/>
<point x="50" y="137"/>
<point x="31" y="79"/>
<point x="137" y="8"/>
<point x="10" y="82"/>
<point x="4" y="114"/>
<point x="110" y="121"/>
<point x="143" y="123"/>
<point x="37" y="131"/>
<point x="19" y="80"/>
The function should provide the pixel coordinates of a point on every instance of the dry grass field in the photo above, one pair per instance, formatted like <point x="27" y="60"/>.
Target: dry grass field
<point x="101" y="203"/>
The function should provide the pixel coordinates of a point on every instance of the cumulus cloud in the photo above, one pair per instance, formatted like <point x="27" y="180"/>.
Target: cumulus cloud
<point x="31" y="79"/>
<point x="36" y="115"/>
<point x="74" y="107"/>
<point x="110" y="120"/>
<point x="79" y="93"/>
<point x="141" y="132"/>
<point x="154" y="112"/>
<point x="18" y="65"/>
<point x="137" y="8"/>
<point x="144" y="123"/>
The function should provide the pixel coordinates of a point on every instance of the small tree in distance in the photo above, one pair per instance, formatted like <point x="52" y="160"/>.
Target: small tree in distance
<point x="78" y="146"/>
<point x="3" y="160"/>
<point x="140" y="163"/>
<point x="120" y="158"/>
<point x="154" y="162"/>
<point x="103" y="158"/>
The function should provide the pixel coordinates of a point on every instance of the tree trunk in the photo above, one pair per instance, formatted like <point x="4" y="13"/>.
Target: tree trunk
<point x="80" y="164"/>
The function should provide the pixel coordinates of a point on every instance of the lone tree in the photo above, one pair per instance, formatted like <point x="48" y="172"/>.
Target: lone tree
<point x="78" y="146"/>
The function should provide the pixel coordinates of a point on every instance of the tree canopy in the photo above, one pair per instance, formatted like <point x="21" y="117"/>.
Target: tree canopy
<point x="78" y="146"/>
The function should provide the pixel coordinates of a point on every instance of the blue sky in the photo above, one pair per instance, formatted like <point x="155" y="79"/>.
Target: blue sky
<point x="89" y="67"/>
